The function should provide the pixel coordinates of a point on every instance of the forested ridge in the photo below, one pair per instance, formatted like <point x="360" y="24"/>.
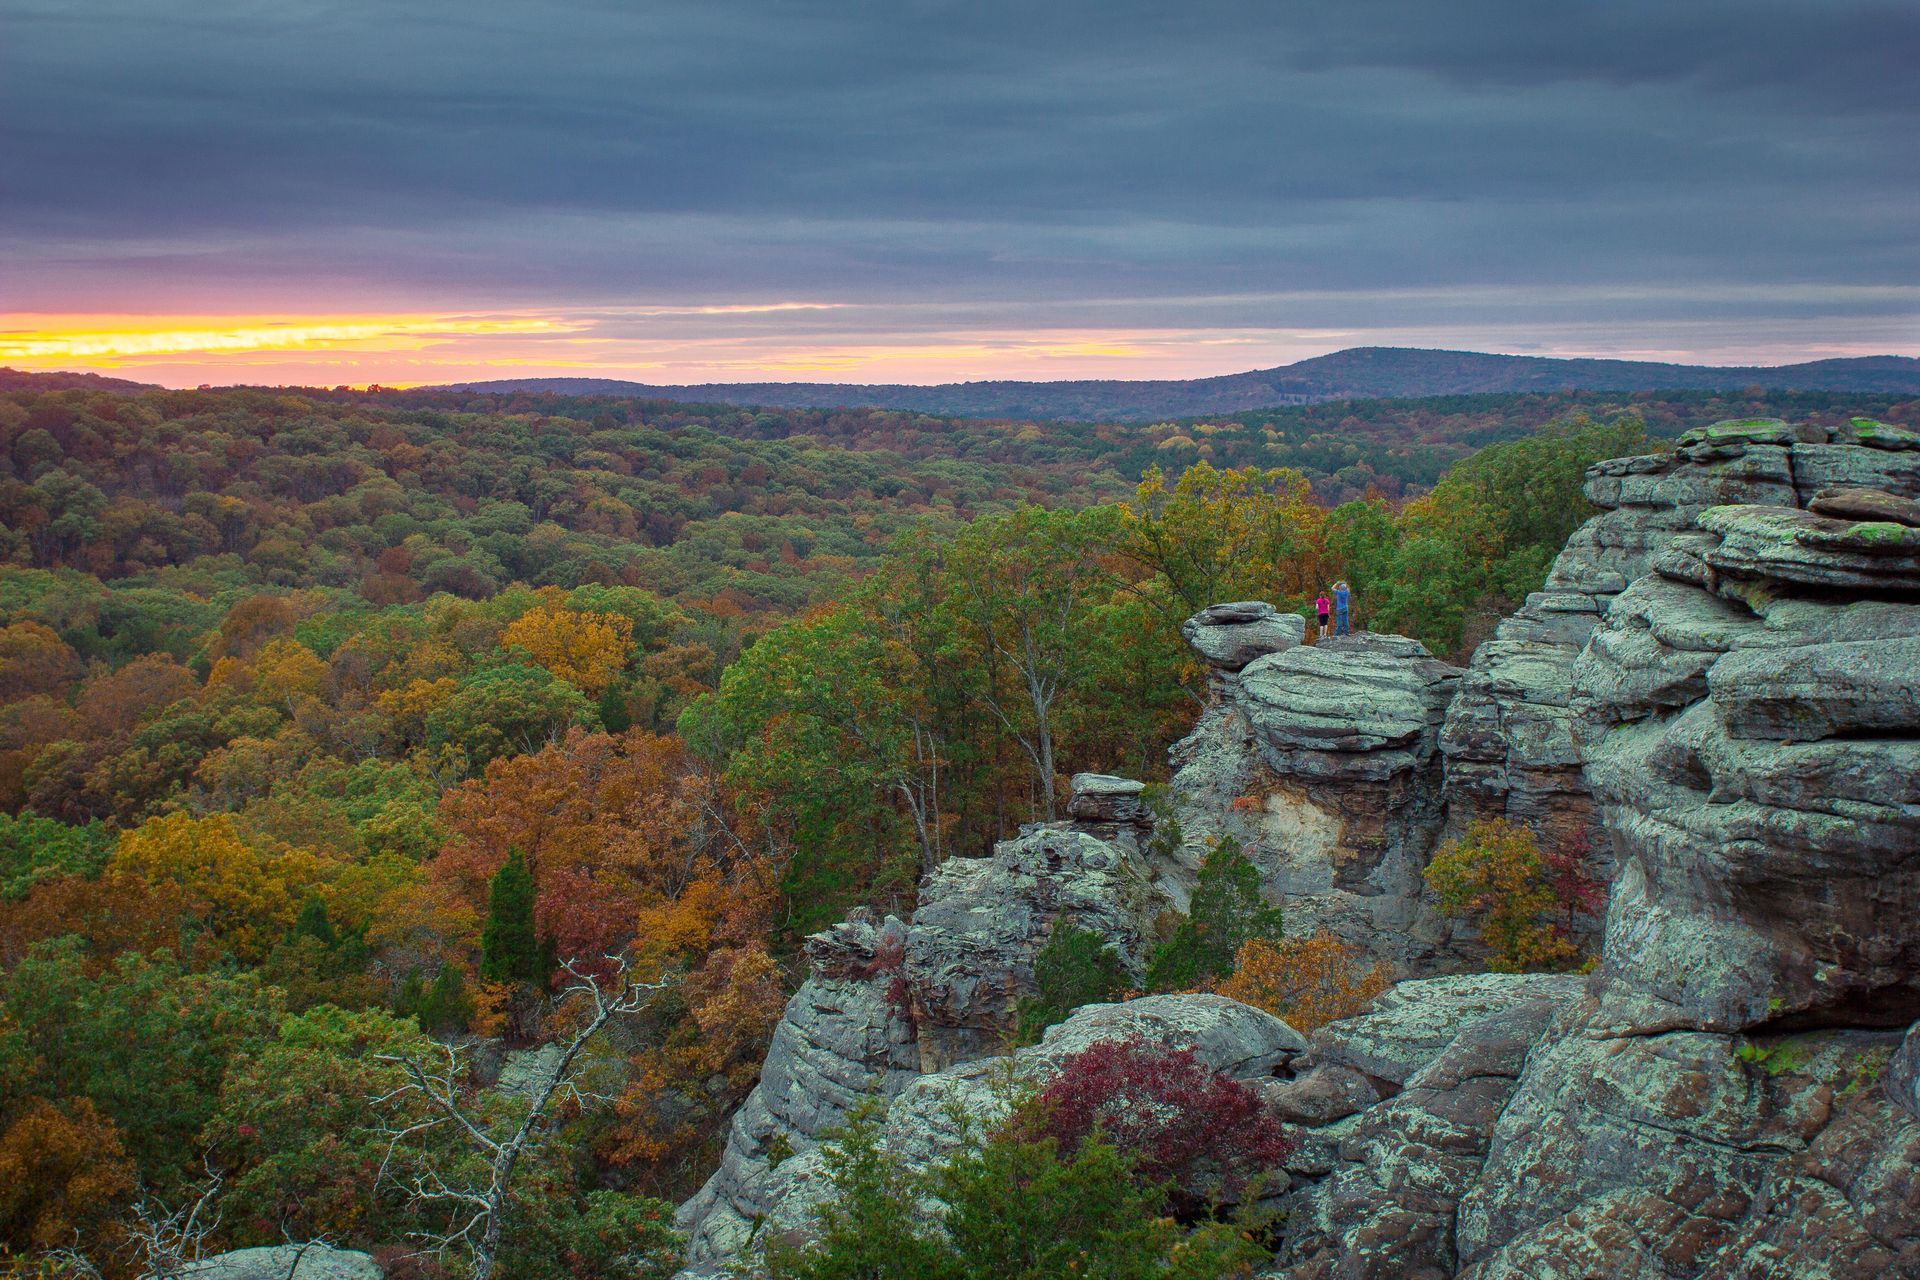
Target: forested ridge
<point x="332" y="724"/>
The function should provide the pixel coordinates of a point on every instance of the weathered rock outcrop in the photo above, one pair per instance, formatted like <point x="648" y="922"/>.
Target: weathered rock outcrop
<point x="1713" y="1108"/>
<point x="1439" y="1057"/>
<point x="982" y="921"/>
<point x="887" y="1002"/>
<point x="1323" y="763"/>
<point x="847" y="1036"/>
<point x="1508" y="740"/>
<point x="1229" y="636"/>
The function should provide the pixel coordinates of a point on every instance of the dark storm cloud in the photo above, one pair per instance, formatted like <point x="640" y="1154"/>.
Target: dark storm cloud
<point x="603" y="150"/>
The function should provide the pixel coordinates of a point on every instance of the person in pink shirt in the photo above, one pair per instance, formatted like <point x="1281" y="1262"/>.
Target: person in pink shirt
<point x="1323" y="607"/>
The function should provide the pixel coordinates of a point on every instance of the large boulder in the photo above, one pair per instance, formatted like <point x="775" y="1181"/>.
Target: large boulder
<point x="284" y="1262"/>
<point x="1323" y="763"/>
<point x="1229" y="636"/>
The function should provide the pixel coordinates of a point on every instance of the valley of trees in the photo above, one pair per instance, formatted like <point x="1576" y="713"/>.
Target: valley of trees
<point x="337" y="729"/>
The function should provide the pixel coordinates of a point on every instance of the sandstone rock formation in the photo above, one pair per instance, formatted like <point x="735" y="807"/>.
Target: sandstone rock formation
<point x="1507" y="740"/>
<point x="847" y="1036"/>
<point x="887" y="1002"/>
<point x="1229" y="636"/>
<point x="1324" y="764"/>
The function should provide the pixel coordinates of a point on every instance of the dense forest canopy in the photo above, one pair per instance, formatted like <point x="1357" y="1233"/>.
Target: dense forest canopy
<point x="333" y="723"/>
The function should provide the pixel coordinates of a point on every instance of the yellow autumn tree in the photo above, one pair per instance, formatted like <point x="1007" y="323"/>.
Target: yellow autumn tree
<point x="246" y="898"/>
<point x="587" y="650"/>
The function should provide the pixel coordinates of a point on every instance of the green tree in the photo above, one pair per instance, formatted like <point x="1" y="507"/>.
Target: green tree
<point x="1226" y="911"/>
<point x="1496" y="878"/>
<point x="1076" y="967"/>
<point x="446" y="1007"/>
<point x="510" y="950"/>
<point x="1021" y="587"/>
<point x="148" y="1043"/>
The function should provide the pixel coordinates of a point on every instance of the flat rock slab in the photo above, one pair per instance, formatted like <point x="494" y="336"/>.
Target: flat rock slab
<point x="1848" y="503"/>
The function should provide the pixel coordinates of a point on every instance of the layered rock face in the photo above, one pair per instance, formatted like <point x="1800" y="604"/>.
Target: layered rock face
<point x="1728" y="1100"/>
<point x="1324" y="764"/>
<point x="1508" y="740"/>
<point x="846" y="1036"/>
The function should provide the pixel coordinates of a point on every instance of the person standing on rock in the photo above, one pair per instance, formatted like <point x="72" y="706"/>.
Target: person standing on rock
<point x="1340" y="593"/>
<point x="1323" y="607"/>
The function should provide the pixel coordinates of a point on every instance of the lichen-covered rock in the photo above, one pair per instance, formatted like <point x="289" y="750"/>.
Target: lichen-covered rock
<point x="1696" y="1154"/>
<point x="1754" y="740"/>
<point x="981" y="922"/>
<point x="1854" y="503"/>
<point x="1229" y="636"/>
<point x="1103" y="798"/>
<point x="284" y="1262"/>
<point x="1386" y="1207"/>
<point x="1323" y="763"/>
<point x="1509" y="740"/>
<point x="846" y="1037"/>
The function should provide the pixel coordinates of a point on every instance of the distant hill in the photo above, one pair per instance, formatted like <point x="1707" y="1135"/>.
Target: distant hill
<point x="19" y="380"/>
<point x="1360" y="373"/>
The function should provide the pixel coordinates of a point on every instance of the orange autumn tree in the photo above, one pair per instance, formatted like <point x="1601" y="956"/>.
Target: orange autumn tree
<point x="608" y="826"/>
<point x="1308" y="982"/>
<point x="246" y="897"/>
<point x="63" y="1175"/>
<point x="587" y="650"/>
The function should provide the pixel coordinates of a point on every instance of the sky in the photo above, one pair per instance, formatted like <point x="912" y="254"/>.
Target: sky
<point x="399" y="191"/>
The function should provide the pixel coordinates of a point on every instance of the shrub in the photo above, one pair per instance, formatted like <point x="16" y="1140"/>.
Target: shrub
<point x="1204" y="1135"/>
<point x="1015" y="1209"/>
<point x="1307" y="981"/>
<point x="1075" y="968"/>
<point x="1495" y="877"/>
<point x="1226" y="912"/>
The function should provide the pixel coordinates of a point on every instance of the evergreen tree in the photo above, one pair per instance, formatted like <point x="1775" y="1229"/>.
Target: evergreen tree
<point x="446" y="1006"/>
<point x="411" y="995"/>
<point x="1227" y="911"/>
<point x="313" y="922"/>
<point x="613" y="710"/>
<point x="510" y="951"/>
<point x="1075" y="968"/>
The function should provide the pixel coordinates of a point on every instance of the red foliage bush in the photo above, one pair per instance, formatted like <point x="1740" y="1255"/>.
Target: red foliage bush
<point x="1178" y="1119"/>
<point x="1570" y="873"/>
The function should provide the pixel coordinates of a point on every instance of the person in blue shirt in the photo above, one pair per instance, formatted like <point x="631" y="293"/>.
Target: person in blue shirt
<point x="1340" y="594"/>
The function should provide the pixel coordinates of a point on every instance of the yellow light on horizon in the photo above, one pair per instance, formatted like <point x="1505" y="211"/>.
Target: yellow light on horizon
<point x="106" y="340"/>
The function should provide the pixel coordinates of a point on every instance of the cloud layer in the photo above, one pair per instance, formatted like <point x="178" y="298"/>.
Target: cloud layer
<point x="1716" y="178"/>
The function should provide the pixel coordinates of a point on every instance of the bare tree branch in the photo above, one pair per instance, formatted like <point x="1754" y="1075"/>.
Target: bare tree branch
<point x="480" y="1212"/>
